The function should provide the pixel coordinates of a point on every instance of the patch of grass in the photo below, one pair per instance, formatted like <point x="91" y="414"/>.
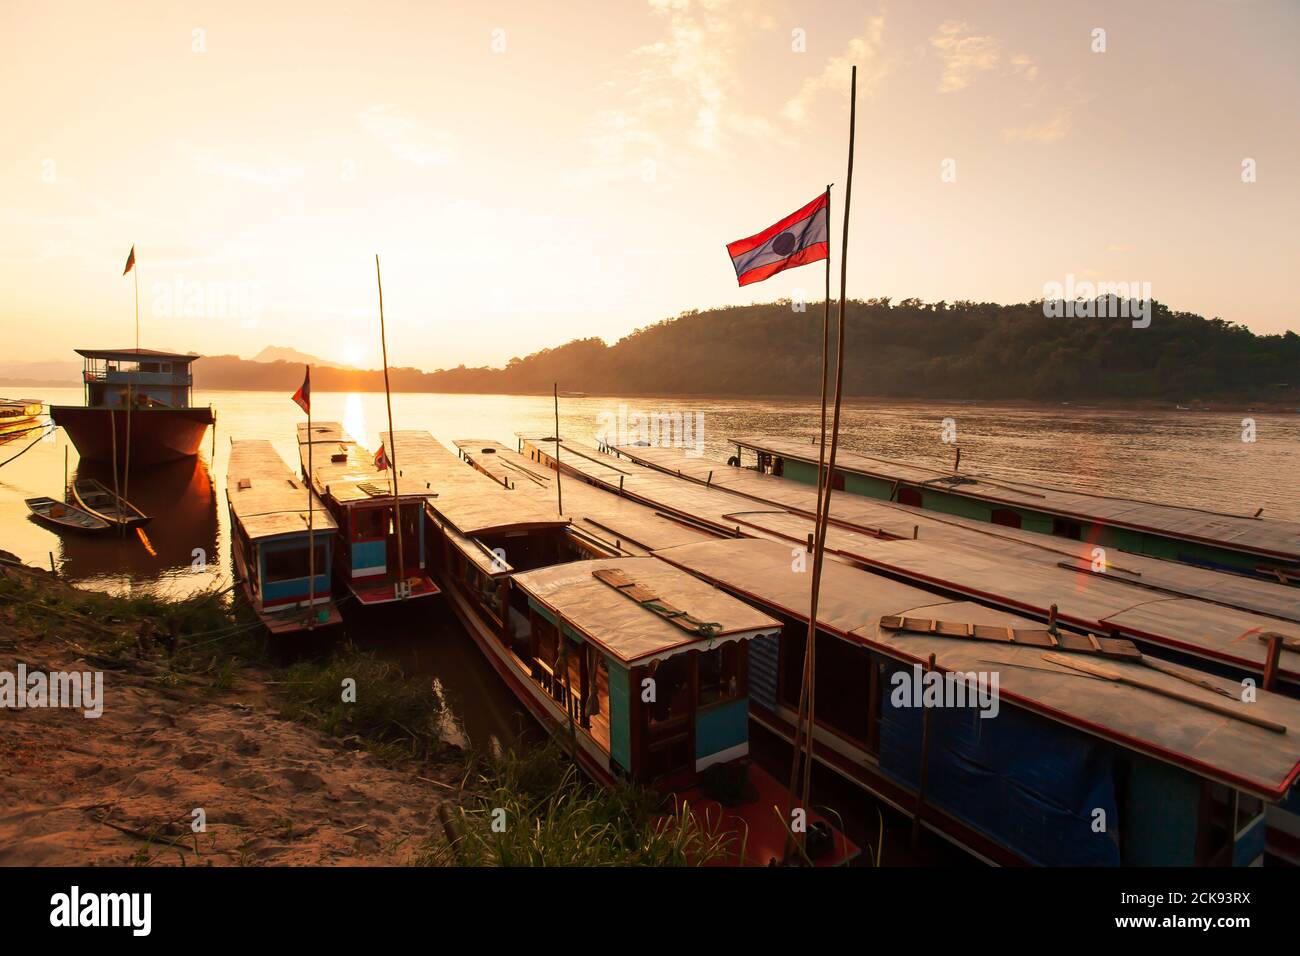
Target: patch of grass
<point x="536" y="809"/>
<point x="394" y="716"/>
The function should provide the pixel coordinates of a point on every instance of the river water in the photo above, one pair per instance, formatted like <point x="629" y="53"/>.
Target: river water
<point x="1188" y="457"/>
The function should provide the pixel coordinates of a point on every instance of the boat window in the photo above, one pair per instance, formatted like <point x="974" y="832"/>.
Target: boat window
<point x="1065" y="528"/>
<point x="672" y="689"/>
<point x="292" y="563"/>
<point x="1006" y="516"/>
<point x="720" y="674"/>
<point x="370" y="523"/>
<point x="910" y="496"/>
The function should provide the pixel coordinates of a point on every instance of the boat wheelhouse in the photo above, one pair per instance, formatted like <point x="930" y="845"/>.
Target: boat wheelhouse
<point x="156" y="388"/>
<point x="359" y="496"/>
<point x="1241" y="543"/>
<point x="272" y="541"/>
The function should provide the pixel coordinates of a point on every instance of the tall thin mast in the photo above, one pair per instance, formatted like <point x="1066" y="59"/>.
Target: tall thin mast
<point x="559" y="493"/>
<point x="835" y="423"/>
<point x="821" y="479"/>
<point x="126" y="476"/>
<point x="311" y="528"/>
<point x="825" y="483"/>
<point x="391" y="451"/>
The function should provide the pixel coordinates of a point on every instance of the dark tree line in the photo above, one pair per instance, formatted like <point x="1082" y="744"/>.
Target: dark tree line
<point x="910" y="349"/>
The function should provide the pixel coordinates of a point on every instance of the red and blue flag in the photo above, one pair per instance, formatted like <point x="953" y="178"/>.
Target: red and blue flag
<point x="798" y="239"/>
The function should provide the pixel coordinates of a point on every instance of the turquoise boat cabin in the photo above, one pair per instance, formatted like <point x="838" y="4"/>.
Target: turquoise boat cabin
<point x="377" y="561"/>
<point x="1244" y="543"/>
<point x="273" y="541"/>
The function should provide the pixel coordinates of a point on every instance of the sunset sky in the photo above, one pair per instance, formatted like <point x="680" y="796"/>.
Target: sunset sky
<point x="536" y="172"/>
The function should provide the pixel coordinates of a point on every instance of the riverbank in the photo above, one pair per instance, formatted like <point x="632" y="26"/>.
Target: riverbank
<point x="203" y="755"/>
<point x="186" y="744"/>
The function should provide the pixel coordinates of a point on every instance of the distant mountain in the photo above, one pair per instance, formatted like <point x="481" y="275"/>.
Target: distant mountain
<point x="282" y="353"/>
<point x="41" y="373"/>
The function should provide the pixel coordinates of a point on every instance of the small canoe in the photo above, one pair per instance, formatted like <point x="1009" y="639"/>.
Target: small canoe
<point x="65" y="515"/>
<point x="92" y="496"/>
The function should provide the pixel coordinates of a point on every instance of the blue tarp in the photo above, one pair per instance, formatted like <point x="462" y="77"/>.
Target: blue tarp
<point x="1018" y="778"/>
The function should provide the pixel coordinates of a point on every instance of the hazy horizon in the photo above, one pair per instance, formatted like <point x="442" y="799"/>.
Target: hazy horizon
<point x="531" y="176"/>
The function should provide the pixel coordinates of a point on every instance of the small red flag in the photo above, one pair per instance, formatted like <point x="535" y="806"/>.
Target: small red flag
<point x="381" y="458"/>
<point x="130" y="262"/>
<point x="303" y="395"/>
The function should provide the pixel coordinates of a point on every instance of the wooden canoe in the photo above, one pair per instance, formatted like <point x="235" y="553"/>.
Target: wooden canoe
<point x="65" y="515"/>
<point x="92" y="496"/>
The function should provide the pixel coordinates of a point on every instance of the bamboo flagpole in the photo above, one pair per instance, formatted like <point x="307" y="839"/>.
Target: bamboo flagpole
<point x="826" y="485"/>
<point x="824" y="518"/>
<point x="130" y="398"/>
<point x="311" y="515"/>
<point x="559" y="493"/>
<point x="302" y="398"/>
<point x="391" y="452"/>
<point x="821" y="478"/>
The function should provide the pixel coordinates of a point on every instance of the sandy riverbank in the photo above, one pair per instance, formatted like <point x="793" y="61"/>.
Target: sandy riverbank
<point x="122" y="788"/>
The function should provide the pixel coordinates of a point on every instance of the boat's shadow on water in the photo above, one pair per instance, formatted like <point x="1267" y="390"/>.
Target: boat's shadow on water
<point x="181" y="502"/>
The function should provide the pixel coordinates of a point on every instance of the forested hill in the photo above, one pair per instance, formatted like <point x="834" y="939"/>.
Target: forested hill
<point x="911" y="349"/>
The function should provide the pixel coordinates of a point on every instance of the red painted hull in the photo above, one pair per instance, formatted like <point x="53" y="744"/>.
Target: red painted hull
<point x="157" y="434"/>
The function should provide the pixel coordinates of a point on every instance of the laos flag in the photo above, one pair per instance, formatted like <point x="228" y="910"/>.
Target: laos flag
<point x="796" y="240"/>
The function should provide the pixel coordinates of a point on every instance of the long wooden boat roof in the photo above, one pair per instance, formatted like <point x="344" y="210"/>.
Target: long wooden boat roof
<point x="904" y="521"/>
<point x="1214" y="615"/>
<point x="633" y="634"/>
<point x="620" y="523"/>
<point x="344" y="470"/>
<point x="469" y="500"/>
<point x="265" y="496"/>
<point x="1268" y="537"/>
<point x="852" y="602"/>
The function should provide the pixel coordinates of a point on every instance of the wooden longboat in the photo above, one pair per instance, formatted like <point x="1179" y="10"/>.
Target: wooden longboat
<point x="95" y="497"/>
<point x="271" y="541"/>
<point x="577" y="652"/>
<point x="359" y="496"/>
<point x="1189" y="615"/>
<point x="18" y="416"/>
<point x="1137" y="747"/>
<point x="1241" y="543"/>
<point x="65" y="516"/>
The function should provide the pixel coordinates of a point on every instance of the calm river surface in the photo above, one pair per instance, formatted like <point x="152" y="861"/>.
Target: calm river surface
<point x="1194" y="458"/>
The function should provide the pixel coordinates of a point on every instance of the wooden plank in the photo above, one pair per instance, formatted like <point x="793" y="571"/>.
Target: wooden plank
<point x="650" y="600"/>
<point x="1029" y="637"/>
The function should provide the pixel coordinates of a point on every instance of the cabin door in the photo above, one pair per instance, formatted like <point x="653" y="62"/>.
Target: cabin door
<point x="411" y="548"/>
<point x="669" y="718"/>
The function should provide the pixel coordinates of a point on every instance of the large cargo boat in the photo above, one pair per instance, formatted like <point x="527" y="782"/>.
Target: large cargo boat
<point x="137" y="411"/>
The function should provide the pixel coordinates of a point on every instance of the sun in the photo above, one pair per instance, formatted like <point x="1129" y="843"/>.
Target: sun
<point x="352" y="354"/>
